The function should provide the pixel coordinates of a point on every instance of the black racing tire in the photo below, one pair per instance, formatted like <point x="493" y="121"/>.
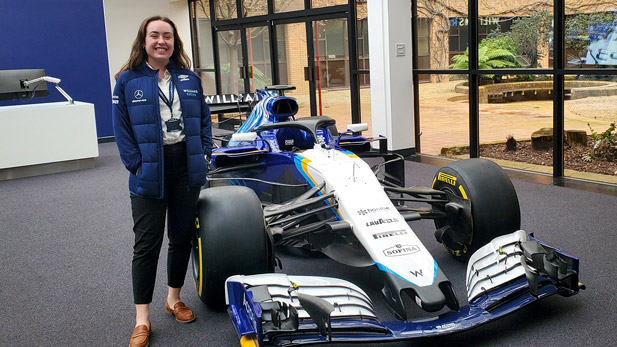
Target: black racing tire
<point x="231" y="239"/>
<point x="495" y="209"/>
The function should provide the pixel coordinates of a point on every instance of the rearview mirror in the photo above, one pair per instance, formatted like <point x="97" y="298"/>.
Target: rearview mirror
<point x="357" y="127"/>
<point x="244" y="137"/>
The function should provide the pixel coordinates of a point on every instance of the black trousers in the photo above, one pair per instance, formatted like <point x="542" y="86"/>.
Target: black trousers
<point x="179" y="204"/>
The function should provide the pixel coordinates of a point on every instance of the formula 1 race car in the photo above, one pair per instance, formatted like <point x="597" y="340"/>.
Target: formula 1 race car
<point x="281" y="181"/>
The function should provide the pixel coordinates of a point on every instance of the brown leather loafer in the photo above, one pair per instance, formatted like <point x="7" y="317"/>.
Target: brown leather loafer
<point x="182" y="313"/>
<point x="140" y="337"/>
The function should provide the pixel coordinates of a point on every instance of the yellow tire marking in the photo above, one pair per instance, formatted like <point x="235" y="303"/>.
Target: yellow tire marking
<point x="201" y="269"/>
<point x="463" y="192"/>
<point x="434" y="180"/>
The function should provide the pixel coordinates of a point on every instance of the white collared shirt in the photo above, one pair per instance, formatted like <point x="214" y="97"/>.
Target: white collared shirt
<point x="169" y="138"/>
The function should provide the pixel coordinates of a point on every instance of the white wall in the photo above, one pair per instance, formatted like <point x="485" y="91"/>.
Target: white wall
<point x="389" y="26"/>
<point x="122" y="20"/>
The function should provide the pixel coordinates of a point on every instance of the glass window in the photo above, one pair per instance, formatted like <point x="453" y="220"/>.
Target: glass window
<point x="254" y="7"/>
<point x="589" y="109"/>
<point x="516" y="121"/>
<point x="225" y="9"/>
<point x="288" y="5"/>
<point x="525" y="42"/>
<point x="590" y="35"/>
<point x="203" y="54"/>
<point x="362" y="35"/>
<point x="230" y="54"/>
<point x="444" y="116"/>
<point x="259" y="57"/>
<point x="326" y="3"/>
<point x="442" y="32"/>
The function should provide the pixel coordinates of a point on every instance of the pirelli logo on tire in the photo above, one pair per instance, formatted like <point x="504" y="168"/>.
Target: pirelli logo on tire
<point x="449" y="179"/>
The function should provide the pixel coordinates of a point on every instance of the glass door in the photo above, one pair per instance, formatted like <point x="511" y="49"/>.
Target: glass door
<point x="230" y="62"/>
<point x="292" y="62"/>
<point x="259" y="72"/>
<point x="244" y="60"/>
<point x="332" y="84"/>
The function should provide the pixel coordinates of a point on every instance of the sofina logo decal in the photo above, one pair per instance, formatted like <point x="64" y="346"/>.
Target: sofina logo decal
<point x="399" y="250"/>
<point x="381" y="221"/>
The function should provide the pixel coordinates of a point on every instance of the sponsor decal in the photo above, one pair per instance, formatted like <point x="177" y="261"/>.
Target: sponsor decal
<point x="289" y="142"/>
<point x="249" y="312"/>
<point x="363" y="212"/>
<point x="416" y="273"/>
<point x="115" y="99"/>
<point x="381" y="221"/>
<point x="190" y="92"/>
<point x="448" y="326"/>
<point x="138" y="94"/>
<point x="399" y="250"/>
<point x="389" y="234"/>
<point x="449" y="179"/>
<point x="229" y="98"/>
<point x="183" y="78"/>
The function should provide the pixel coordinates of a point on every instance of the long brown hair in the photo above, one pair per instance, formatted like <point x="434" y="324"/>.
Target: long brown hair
<point x="138" y="52"/>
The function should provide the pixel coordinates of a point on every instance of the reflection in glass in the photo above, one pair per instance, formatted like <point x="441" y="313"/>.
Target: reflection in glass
<point x="516" y="34"/>
<point x="288" y="5"/>
<point x="225" y="9"/>
<point x="590" y="106"/>
<point x="326" y="3"/>
<point x="362" y="42"/>
<point x="260" y="73"/>
<point x="202" y="42"/>
<point x="444" y="117"/>
<point x="332" y="52"/>
<point x="590" y="35"/>
<point x="513" y="110"/>
<point x="254" y="7"/>
<point x="442" y="33"/>
<point x="292" y="59"/>
<point x="332" y="62"/>
<point x="230" y="61"/>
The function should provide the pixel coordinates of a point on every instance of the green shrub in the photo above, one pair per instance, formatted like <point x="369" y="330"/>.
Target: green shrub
<point x="605" y="143"/>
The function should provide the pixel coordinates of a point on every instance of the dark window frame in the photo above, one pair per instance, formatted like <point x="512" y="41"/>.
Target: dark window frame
<point x="473" y="73"/>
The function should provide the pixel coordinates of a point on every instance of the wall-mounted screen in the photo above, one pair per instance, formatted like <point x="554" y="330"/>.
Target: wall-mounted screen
<point x="12" y="87"/>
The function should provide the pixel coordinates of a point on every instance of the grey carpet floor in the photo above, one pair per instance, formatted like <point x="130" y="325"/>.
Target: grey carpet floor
<point x="66" y="247"/>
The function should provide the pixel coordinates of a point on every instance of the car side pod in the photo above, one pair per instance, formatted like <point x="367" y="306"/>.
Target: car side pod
<point x="509" y="273"/>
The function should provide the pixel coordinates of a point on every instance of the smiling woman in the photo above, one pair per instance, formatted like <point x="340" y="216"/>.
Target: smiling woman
<point x="159" y="44"/>
<point x="162" y="129"/>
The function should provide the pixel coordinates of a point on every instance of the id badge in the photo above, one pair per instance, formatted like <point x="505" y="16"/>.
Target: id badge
<point x="173" y="125"/>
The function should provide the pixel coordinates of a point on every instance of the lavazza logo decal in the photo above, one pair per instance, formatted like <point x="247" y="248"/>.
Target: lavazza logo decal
<point x="399" y="250"/>
<point x="381" y="221"/>
<point x="389" y="234"/>
<point x="363" y="212"/>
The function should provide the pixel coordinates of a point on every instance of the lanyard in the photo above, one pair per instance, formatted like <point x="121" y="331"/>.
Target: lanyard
<point x="169" y="102"/>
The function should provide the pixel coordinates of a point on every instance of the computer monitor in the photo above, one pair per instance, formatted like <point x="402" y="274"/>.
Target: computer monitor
<point x="11" y="84"/>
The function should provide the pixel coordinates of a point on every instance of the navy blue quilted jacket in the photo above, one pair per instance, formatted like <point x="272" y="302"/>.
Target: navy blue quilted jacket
<point x="138" y="130"/>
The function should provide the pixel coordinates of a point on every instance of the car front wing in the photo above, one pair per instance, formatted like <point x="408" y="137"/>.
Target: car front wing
<point x="507" y="274"/>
